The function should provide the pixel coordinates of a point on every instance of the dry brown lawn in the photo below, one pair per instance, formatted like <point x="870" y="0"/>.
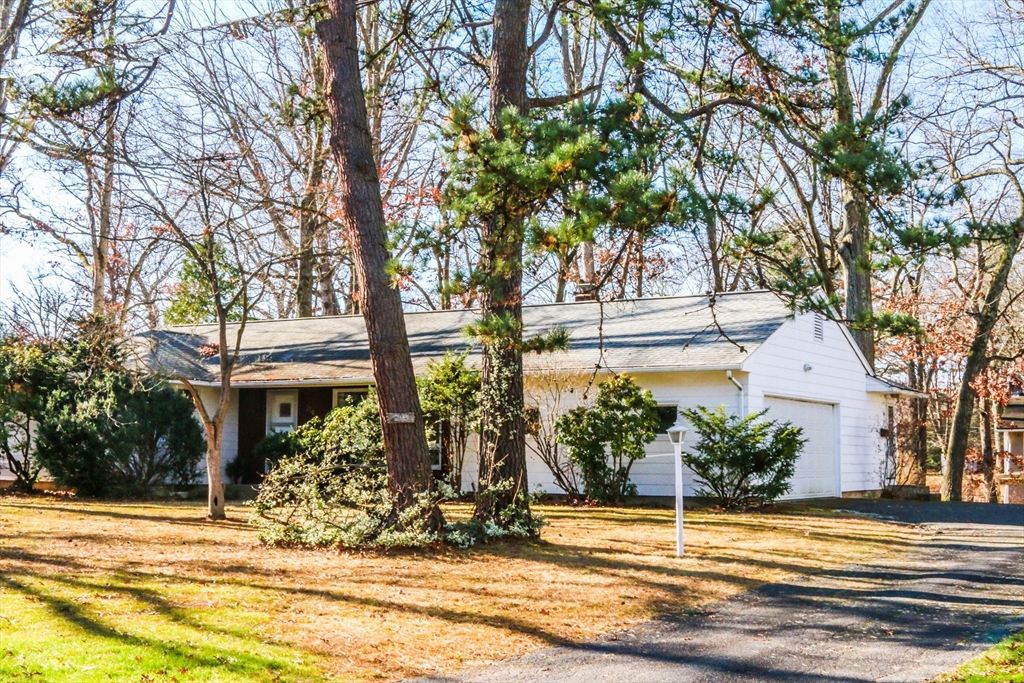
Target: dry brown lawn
<point x="153" y="592"/>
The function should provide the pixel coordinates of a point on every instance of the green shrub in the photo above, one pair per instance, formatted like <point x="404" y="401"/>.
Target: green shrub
<point x="605" y="438"/>
<point x="272" y="449"/>
<point x="450" y="397"/>
<point x="350" y="433"/>
<point x="158" y="439"/>
<point x="742" y="462"/>
<point x="103" y="430"/>
<point x="27" y="370"/>
<point x="333" y="491"/>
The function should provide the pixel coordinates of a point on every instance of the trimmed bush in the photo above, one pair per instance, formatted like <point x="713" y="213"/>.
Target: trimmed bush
<point x="742" y="462"/>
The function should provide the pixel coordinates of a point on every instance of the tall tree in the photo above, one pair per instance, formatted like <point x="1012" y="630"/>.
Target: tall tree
<point x="804" y="75"/>
<point x="14" y="15"/>
<point x="192" y="194"/>
<point x="985" y="143"/>
<point x="362" y="215"/>
<point x="503" y="483"/>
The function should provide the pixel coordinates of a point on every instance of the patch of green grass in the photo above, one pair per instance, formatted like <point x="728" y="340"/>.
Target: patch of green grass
<point x="1004" y="662"/>
<point x="60" y="628"/>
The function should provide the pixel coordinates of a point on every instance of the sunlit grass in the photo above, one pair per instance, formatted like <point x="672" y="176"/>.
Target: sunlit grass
<point x="137" y="592"/>
<point x="1004" y="662"/>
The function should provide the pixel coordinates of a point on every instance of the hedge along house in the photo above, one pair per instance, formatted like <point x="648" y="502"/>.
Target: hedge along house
<point x="745" y="351"/>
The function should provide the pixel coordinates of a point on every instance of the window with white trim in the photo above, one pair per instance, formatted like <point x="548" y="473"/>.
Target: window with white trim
<point x="349" y="395"/>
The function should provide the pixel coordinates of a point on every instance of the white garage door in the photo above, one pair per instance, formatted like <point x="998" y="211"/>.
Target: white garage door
<point x="815" y="475"/>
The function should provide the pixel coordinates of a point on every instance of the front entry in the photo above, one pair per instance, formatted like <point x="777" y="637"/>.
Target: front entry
<point x="282" y="411"/>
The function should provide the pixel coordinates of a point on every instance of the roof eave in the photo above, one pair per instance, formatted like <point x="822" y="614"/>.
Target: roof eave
<point x="342" y="381"/>
<point x="877" y="385"/>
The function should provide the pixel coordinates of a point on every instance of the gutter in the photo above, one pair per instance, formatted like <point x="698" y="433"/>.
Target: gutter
<point x="342" y="381"/>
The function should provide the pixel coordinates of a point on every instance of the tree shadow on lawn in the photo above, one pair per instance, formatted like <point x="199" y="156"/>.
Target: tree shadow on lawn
<point x="725" y="520"/>
<point x="783" y="623"/>
<point x="174" y="653"/>
<point x="611" y="560"/>
<point x="609" y="563"/>
<point x="83" y="507"/>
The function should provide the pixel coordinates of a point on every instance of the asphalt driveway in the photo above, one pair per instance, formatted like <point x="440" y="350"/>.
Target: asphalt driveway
<point x="953" y="593"/>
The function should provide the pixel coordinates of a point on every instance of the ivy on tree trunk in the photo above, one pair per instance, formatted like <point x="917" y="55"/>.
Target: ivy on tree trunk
<point x="503" y="482"/>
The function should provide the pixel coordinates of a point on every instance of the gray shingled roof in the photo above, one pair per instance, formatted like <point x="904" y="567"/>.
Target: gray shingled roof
<point x="1011" y="417"/>
<point x="668" y="332"/>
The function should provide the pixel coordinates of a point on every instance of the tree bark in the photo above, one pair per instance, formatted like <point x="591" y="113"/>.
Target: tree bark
<point x="101" y="241"/>
<point x="503" y="482"/>
<point x="711" y="226"/>
<point x="586" y="289"/>
<point x="988" y="451"/>
<point x="309" y="227"/>
<point x="918" y="440"/>
<point x="327" y="268"/>
<point x="856" y="222"/>
<point x="214" y="480"/>
<point x="977" y="360"/>
<point x="857" y="269"/>
<point x="362" y="216"/>
<point x="304" y="276"/>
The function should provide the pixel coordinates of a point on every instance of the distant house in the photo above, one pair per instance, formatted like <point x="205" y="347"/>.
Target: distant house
<point x="1011" y="428"/>
<point x="746" y="352"/>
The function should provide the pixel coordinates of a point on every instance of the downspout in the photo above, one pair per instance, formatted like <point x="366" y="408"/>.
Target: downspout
<point x="728" y="373"/>
<point x="739" y="408"/>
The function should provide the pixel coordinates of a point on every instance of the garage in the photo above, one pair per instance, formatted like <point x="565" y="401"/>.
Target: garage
<point x="815" y="475"/>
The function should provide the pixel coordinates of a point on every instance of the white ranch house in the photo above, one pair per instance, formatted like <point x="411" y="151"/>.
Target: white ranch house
<point x="746" y="352"/>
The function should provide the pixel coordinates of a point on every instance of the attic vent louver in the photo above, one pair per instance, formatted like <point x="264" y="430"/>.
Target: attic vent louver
<point x="819" y="327"/>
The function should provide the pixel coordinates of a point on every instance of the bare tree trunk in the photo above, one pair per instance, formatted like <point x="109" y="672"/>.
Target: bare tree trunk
<point x="503" y="484"/>
<point x="327" y="268"/>
<point x="13" y="16"/>
<point x="304" y="276"/>
<point x="857" y="269"/>
<point x="986" y="430"/>
<point x="101" y="242"/>
<point x="854" y="244"/>
<point x="215" y="482"/>
<point x="640" y="263"/>
<point x="585" y="291"/>
<point x="565" y="261"/>
<point x="405" y="441"/>
<point x="711" y="224"/>
<point x="353" y="302"/>
<point x="977" y="360"/>
<point x="918" y="440"/>
<point x="309" y="226"/>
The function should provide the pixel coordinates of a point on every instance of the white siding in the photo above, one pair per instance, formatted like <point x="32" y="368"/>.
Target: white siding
<point x="836" y="376"/>
<point x="653" y="475"/>
<point x="229" y="443"/>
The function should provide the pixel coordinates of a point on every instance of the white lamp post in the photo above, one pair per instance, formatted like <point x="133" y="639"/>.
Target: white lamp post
<point x="676" y="434"/>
